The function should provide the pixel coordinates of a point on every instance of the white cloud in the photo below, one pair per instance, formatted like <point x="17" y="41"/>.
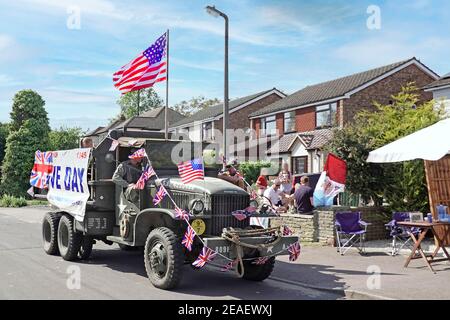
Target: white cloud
<point x="209" y="66"/>
<point x="7" y="81"/>
<point x="85" y="73"/>
<point x="60" y="95"/>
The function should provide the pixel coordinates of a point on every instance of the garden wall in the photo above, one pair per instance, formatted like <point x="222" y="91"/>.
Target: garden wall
<point x="319" y="227"/>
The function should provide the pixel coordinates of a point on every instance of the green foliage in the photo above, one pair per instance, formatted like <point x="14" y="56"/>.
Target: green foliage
<point x="4" y="129"/>
<point x="64" y="138"/>
<point x="403" y="184"/>
<point x="28" y="132"/>
<point x="194" y="105"/>
<point x="148" y="99"/>
<point x="252" y="169"/>
<point x="10" y="201"/>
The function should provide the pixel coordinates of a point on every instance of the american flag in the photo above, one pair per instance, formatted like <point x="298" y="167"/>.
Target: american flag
<point x="139" y="154"/>
<point x="188" y="238"/>
<point x="286" y="231"/>
<point x="145" y="70"/>
<point x="191" y="170"/>
<point x="229" y="265"/>
<point x="42" y="169"/>
<point x="294" y="251"/>
<point x="260" y="260"/>
<point x="147" y="174"/>
<point x="181" y="214"/>
<point x="205" y="256"/>
<point x="159" y="196"/>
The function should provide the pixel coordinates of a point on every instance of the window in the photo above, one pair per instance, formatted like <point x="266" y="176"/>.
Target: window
<point x="269" y="125"/>
<point x="207" y="131"/>
<point x="289" y="121"/>
<point x="299" y="165"/>
<point x="326" y="115"/>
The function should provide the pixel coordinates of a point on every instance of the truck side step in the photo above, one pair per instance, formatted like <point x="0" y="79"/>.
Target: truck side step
<point x="119" y="240"/>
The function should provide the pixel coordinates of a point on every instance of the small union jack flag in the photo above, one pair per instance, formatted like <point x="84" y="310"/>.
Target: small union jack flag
<point x="159" y="196"/>
<point x="42" y="168"/>
<point x="205" y="256"/>
<point x="260" y="260"/>
<point x="241" y="215"/>
<point x="181" y="214"/>
<point x="147" y="174"/>
<point x="114" y="145"/>
<point x="294" y="251"/>
<point x="229" y="265"/>
<point x="287" y="231"/>
<point x="138" y="154"/>
<point x="253" y="195"/>
<point x="188" y="238"/>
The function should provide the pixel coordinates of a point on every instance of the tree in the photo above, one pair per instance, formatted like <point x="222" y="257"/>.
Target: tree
<point x="29" y="131"/>
<point x="4" y="129"/>
<point x="148" y="99"/>
<point x="403" y="184"/>
<point x="194" y="105"/>
<point x="64" y="138"/>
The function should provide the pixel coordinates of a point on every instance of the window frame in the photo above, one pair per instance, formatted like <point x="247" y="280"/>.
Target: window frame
<point x="330" y="108"/>
<point x="264" y="123"/>
<point x="205" y="131"/>
<point x="291" y="118"/>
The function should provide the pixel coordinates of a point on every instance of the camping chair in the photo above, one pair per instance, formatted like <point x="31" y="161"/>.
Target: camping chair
<point x="400" y="235"/>
<point x="350" y="230"/>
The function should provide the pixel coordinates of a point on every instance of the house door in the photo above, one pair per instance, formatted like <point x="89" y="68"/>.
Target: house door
<point x="299" y="165"/>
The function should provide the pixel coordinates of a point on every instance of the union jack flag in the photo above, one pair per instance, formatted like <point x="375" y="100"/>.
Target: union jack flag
<point x="42" y="168"/>
<point x="253" y="195"/>
<point x="147" y="174"/>
<point x="139" y="154"/>
<point x="181" y="214"/>
<point x="260" y="260"/>
<point x="114" y="145"/>
<point x="239" y="214"/>
<point x="159" y="196"/>
<point x="229" y="265"/>
<point x="287" y="231"/>
<point x="294" y="251"/>
<point x="205" y="256"/>
<point x="188" y="238"/>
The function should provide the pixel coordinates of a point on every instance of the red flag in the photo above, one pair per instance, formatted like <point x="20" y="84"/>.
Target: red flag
<point x="336" y="168"/>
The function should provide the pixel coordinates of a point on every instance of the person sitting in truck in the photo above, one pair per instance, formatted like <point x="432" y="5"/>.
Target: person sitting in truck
<point x="127" y="174"/>
<point x="231" y="174"/>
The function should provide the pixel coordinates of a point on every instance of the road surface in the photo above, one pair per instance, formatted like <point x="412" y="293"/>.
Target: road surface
<point x="26" y="272"/>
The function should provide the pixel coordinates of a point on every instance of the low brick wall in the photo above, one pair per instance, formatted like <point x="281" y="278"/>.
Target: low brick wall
<point x="319" y="227"/>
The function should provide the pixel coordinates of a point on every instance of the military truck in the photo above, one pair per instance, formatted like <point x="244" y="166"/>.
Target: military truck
<point x="110" y="218"/>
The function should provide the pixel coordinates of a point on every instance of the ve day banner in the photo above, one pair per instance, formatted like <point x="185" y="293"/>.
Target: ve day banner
<point x="67" y="184"/>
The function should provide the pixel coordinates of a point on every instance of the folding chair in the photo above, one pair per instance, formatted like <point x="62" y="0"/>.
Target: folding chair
<point x="400" y="235"/>
<point x="350" y="230"/>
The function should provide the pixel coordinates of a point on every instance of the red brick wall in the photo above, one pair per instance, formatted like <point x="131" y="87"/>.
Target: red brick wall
<point x="305" y="119"/>
<point x="382" y="91"/>
<point x="280" y="122"/>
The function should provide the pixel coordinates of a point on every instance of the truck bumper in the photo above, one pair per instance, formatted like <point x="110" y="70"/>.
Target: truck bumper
<point x="228" y="249"/>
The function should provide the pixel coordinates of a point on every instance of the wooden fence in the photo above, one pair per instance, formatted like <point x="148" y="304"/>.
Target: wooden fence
<point x="438" y="181"/>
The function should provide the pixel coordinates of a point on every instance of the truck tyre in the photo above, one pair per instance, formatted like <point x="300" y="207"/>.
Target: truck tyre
<point x="69" y="241"/>
<point x="50" y="231"/>
<point x="254" y="272"/>
<point x="163" y="258"/>
<point x="87" y="242"/>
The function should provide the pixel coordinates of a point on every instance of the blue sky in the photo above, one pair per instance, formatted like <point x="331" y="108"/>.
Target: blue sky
<point x="283" y="44"/>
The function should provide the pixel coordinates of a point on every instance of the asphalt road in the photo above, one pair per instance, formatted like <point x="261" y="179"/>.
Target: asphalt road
<point x="26" y="272"/>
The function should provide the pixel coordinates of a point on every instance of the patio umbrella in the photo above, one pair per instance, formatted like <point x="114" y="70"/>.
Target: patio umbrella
<point x="431" y="143"/>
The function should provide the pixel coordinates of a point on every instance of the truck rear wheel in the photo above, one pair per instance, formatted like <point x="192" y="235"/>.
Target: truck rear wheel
<point x="69" y="241"/>
<point x="254" y="272"/>
<point x="163" y="257"/>
<point x="49" y="232"/>
<point x="86" y="247"/>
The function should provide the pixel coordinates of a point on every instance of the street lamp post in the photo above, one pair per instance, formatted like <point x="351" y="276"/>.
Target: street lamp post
<point x="215" y="13"/>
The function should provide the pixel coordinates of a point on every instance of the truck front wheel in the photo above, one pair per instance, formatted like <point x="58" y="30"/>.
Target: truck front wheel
<point x="69" y="241"/>
<point x="255" y="272"/>
<point x="49" y="232"/>
<point x="163" y="258"/>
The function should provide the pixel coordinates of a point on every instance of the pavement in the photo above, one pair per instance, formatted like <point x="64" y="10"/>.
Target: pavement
<point x="26" y="272"/>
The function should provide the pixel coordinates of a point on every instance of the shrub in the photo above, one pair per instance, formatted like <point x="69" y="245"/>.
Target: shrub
<point x="252" y="169"/>
<point x="11" y="201"/>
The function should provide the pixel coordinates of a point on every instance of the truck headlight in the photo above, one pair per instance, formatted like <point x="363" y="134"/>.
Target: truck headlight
<point x="196" y="206"/>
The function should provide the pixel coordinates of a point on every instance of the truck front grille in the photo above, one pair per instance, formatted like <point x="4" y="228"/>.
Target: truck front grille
<point x="222" y="206"/>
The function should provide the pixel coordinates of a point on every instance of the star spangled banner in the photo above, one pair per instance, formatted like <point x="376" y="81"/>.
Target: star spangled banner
<point x="42" y="169"/>
<point x="191" y="170"/>
<point x="145" y="70"/>
<point x="205" y="256"/>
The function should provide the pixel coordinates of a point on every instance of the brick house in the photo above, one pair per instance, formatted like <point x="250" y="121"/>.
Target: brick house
<point x="201" y="126"/>
<point x="303" y="120"/>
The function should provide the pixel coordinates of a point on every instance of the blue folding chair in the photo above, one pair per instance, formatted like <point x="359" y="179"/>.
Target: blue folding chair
<point x="400" y="235"/>
<point x="350" y="230"/>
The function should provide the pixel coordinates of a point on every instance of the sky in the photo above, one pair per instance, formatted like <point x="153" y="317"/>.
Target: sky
<point x="67" y="50"/>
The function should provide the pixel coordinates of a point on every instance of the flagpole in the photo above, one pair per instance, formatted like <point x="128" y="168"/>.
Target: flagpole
<point x="138" y="100"/>
<point x="167" y="88"/>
